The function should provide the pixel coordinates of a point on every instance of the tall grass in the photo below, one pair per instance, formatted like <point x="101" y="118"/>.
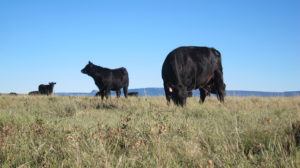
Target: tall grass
<point x="62" y="131"/>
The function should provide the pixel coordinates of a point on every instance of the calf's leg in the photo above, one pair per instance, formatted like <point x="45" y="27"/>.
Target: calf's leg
<point x="102" y="94"/>
<point x="202" y="95"/>
<point x="125" y="90"/>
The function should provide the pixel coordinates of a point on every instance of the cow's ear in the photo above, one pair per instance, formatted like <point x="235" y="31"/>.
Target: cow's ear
<point x="170" y="90"/>
<point x="90" y="62"/>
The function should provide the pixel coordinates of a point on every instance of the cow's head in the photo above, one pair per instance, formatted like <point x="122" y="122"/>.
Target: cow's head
<point x="87" y="69"/>
<point x="178" y="94"/>
<point x="52" y="83"/>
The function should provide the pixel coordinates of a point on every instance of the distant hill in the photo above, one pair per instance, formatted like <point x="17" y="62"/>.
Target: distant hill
<point x="160" y="92"/>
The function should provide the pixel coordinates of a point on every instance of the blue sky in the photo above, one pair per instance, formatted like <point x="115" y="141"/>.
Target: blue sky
<point x="52" y="40"/>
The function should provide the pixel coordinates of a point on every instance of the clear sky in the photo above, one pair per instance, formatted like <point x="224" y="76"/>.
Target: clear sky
<point x="52" y="40"/>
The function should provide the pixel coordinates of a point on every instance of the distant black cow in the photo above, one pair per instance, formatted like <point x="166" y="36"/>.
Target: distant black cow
<point x="188" y="68"/>
<point x="34" y="93"/>
<point x="136" y="94"/>
<point x="46" y="89"/>
<point x="108" y="79"/>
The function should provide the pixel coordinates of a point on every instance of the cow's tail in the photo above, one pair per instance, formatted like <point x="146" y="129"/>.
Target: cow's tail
<point x="218" y="75"/>
<point x="218" y="56"/>
<point x="125" y="73"/>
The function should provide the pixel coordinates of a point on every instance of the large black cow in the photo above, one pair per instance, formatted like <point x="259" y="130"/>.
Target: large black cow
<point x="46" y="89"/>
<point x="108" y="79"/>
<point x="188" y="68"/>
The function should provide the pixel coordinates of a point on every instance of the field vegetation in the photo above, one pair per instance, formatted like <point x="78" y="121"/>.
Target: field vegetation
<point x="70" y="131"/>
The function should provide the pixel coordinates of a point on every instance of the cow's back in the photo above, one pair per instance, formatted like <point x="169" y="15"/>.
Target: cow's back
<point x="122" y="74"/>
<point x="114" y="79"/>
<point x="189" y="66"/>
<point x="41" y="88"/>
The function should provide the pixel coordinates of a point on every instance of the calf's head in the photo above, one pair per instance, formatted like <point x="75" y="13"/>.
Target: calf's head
<point x="88" y="68"/>
<point x="179" y="94"/>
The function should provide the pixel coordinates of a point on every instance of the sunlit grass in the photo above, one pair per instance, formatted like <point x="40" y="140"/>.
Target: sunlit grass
<point x="62" y="131"/>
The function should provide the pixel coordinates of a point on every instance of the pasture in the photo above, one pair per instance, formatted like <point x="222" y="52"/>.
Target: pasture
<point x="63" y="131"/>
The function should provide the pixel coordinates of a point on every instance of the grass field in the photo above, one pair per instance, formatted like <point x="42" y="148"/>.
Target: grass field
<point x="62" y="131"/>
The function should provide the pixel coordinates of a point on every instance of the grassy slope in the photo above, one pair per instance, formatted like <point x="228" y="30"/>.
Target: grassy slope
<point x="54" y="131"/>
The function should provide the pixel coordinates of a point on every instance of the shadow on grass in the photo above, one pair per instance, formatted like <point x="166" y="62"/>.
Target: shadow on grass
<point x="106" y="106"/>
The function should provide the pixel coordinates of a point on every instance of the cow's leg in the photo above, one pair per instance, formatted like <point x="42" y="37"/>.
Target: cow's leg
<point x="107" y="93"/>
<point x="102" y="94"/>
<point x="125" y="90"/>
<point x="118" y="93"/>
<point x="202" y="95"/>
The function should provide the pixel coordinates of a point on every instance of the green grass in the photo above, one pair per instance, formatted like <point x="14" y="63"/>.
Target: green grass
<point x="61" y="131"/>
